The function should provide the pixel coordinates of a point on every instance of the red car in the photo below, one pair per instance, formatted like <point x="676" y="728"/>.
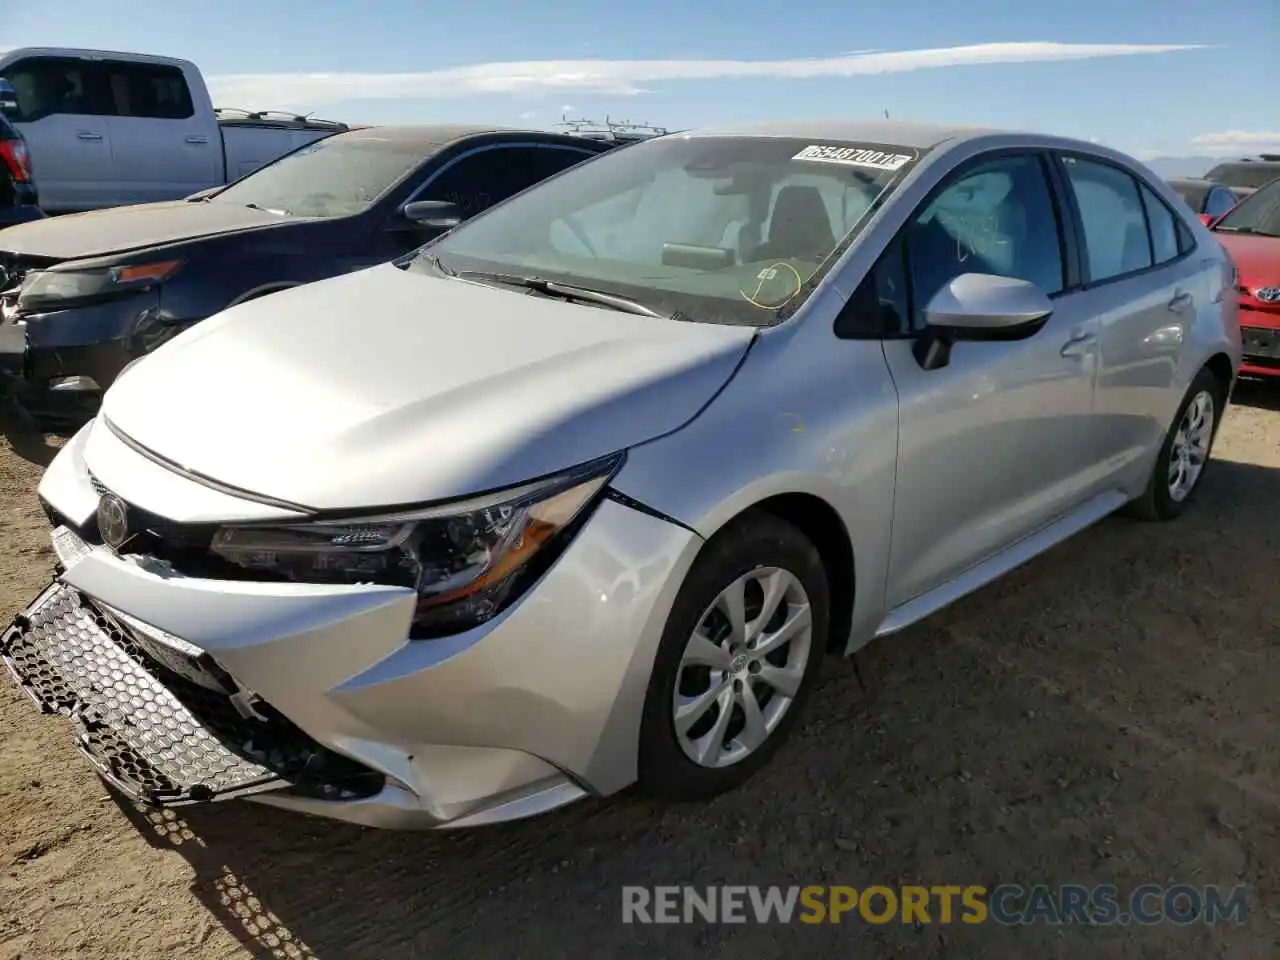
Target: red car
<point x="1251" y="234"/>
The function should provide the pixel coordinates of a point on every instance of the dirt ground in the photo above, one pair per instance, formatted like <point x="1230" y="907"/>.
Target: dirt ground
<point x="1108" y="714"/>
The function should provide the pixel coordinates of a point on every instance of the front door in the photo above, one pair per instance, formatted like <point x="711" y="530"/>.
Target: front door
<point x="61" y="114"/>
<point x="996" y="443"/>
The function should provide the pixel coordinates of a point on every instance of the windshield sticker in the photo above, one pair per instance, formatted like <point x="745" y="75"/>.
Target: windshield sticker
<point x="866" y="157"/>
<point x="760" y="297"/>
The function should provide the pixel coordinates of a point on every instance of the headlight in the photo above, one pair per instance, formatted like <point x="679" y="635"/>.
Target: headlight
<point x="465" y="559"/>
<point x="57" y="288"/>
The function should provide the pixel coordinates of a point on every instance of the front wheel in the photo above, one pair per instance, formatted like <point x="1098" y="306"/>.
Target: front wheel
<point x="1184" y="455"/>
<point x="740" y="654"/>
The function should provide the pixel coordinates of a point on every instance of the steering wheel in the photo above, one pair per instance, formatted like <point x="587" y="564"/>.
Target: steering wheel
<point x="581" y="234"/>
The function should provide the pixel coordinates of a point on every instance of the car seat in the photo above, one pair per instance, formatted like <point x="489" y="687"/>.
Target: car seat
<point x="800" y="228"/>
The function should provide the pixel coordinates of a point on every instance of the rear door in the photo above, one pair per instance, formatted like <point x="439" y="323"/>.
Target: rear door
<point x="62" y="116"/>
<point x="162" y="147"/>
<point x="1144" y="282"/>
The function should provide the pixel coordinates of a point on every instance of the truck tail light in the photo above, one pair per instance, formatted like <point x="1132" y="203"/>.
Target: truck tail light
<point x="13" y="154"/>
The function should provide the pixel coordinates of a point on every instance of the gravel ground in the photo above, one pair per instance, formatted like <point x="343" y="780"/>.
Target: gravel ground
<point x="1105" y="715"/>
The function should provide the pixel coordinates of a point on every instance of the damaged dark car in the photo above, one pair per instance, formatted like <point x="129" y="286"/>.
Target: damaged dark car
<point x="82" y="296"/>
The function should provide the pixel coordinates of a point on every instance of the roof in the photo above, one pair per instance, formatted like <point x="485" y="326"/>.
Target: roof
<point x="903" y="133"/>
<point x="443" y="133"/>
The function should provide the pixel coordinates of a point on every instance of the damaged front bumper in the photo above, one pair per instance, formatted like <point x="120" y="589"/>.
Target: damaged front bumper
<point x="186" y="689"/>
<point x="157" y="718"/>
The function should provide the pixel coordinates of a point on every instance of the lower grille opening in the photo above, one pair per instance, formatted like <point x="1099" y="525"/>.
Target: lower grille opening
<point x="165" y="737"/>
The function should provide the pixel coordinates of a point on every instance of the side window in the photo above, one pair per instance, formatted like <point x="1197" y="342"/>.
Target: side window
<point x="996" y="218"/>
<point x="47" y="86"/>
<point x="478" y="181"/>
<point x="1160" y="220"/>
<point x="1115" y="227"/>
<point x="548" y="161"/>
<point x="152" y="92"/>
<point x="1186" y="239"/>
<point x="880" y="307"/>
<point x="1219" y="202"/>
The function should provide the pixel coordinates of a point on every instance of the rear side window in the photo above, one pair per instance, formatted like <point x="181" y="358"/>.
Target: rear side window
<point x="1111" y="213"/>
<point x="1162" y="224"/>
<point x="48" y="86"/>
<point x="149" y="91"/>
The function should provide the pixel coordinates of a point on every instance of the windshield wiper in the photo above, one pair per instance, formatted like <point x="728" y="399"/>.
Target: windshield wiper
<point x="568" y="291"/>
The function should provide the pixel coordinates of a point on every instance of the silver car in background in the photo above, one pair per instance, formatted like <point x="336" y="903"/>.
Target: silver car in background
<point x="581" y="493"/>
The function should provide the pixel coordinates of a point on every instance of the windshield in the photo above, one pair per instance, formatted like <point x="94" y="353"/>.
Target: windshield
<point x="1257" y="213"/>
<point x="718" y="229"/>
<point x="1250" y="174"/>
<point x="338" y="176"/>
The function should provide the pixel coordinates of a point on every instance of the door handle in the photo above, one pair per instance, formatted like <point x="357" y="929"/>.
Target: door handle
<point x="88" y="135"/>
<point x="1181" y="300"/>
<point x="1078" y="345"/>
<point x="197" y="139"/>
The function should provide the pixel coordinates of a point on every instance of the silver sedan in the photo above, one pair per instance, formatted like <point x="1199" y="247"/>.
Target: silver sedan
<point x="581" y="493"/>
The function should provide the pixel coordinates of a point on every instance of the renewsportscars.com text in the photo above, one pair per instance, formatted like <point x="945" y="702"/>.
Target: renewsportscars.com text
<point x="1010" y="904"/>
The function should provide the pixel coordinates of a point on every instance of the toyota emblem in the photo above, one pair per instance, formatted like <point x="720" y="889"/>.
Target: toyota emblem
<point x="113" y="521"/>
<point x="1269" y="294"/>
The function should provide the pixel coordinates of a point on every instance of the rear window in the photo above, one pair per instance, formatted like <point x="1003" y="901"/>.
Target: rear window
<point x="1244" y="173"/>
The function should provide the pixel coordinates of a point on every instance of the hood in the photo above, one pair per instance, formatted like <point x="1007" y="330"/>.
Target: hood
<point x="386" y="387"/>
<point x="1257" y="258"/>
<point x="102" y="232"/>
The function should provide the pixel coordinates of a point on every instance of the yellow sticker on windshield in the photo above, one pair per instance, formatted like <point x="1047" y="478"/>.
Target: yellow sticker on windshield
<point x="854" y="157"/>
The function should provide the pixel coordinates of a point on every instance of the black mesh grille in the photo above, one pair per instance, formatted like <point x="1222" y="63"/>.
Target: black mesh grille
<point x="165" y="734"/>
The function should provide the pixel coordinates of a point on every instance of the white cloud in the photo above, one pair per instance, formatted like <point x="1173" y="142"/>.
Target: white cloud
<point x="1238" y="141"/>
<point x="528" y="115"/>
<point x="627" y="77"/>
<point x="568" y="108"/>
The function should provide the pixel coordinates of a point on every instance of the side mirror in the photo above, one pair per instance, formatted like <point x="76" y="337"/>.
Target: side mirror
<point x="979" y="306"/>
<point x="432" y="214"/>
<point x="8" y="99"/>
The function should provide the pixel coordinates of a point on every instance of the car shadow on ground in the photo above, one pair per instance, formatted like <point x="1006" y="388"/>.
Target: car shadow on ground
<point x="1258" y="392"/>
<point x="28" y="438"/>
<point x="1099" y="716"/>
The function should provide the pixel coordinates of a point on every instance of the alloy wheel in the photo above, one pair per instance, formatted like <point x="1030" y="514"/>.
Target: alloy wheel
<point x="1190" y="450"/>
<point x="742" y="667"/>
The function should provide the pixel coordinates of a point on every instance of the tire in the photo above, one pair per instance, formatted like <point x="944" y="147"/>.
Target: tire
<point x="767" y="554"/>
<point x="1157" y="502"/>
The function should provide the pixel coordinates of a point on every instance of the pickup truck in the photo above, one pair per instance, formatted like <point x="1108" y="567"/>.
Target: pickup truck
<point x="107" y="129"/>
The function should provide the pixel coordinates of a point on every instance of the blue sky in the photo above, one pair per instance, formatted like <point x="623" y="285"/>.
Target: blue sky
<point x="1221" y="99"/>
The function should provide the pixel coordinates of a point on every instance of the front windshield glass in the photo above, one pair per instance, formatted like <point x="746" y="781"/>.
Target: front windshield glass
<point x="339" y="176"/>
<point x="1257" y="213"/>
<point x="719" y="229"/>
